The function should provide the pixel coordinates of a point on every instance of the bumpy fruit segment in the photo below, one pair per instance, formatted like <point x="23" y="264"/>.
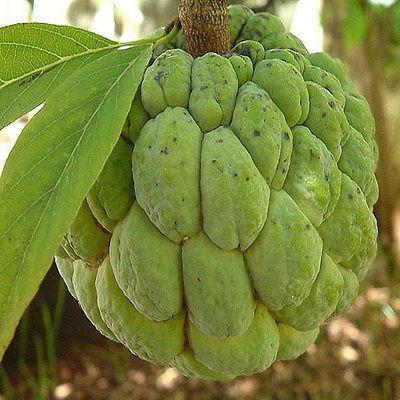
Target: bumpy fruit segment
<point x="234" y="215"/>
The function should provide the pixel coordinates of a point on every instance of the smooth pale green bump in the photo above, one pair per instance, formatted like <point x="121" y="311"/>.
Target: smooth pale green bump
<point x="259" y="25"/>
<point x="188" y="366"/>
<point x="237" y="17"/>
<point x="157" y="342"/>
<point x="137" y="117"/>
<point x="286" y="87"/>
<point x="372" y="192"/>
<point x="293" y="343"/>
<point x="242" y="66"/>
<point x="217" y="288"/>
<point x="214" y="90"/>
<point x="84" y="279"/>
<point x="283" y="40"/>
<point x="234" y="195"/>
<point x="359" y="115"/>
<point x="327" y="80"/>
<point x="166" y="172"/>
<point x="314" y="179"/>
<point x="254" y="50"/>
<point x="290" y="56"/>
<point x="361" y="261"/>
<point x="284" y="260"/>
<point x="284" y="160"/>
<point x="167" y="82"/>
<point x="252" y="352"/>
<point x="65" y="267"/>
<point x="259" y="125"/>
<point x="112" y="194"/>
<point x="326" y="119"/>
<point x="147" y="266"/>
<point x="330" y="64"/>
<point x="351" y="228"/>
<point x="350" y="292"/>
<point x="87" y="238"/>
<point x="375" y="152"/>
<point x="357" y="160"/>
<point x="321" y="302"/>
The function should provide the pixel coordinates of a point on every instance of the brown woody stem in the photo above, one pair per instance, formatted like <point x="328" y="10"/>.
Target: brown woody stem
<point x="205" y="23"/>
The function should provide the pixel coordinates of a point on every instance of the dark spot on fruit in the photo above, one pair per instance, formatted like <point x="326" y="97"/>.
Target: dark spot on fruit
<point x="273" y="221"/>
<point x="283" y="170"/>
<point x="323" y="115"/>
<point x="331" y="104"/>
<point x="257" y="133"/>
<point x="219" y="140"/>
<point x="286" y="136"/>
<point x="226" y="82"/>
<point x="308" y="226"/>
<point x="164" y="150"/>
<point x="247" y="178"/>
<point x="349" y="196"/>
<point x="159" y="75"/>
<point x="203" y="87"/>
<point x="214" y="160"/>
<point x="358" y="191"/>
<point x="174" y="139"/>
<point x="149" y="147"/>
<point x="182" y="163"/>
<point x="221" y="169"/>
<point x="182" y="199"/>
<point x="268" y="65"/>
<point x="235" y="174"/>
<point x="198" y="280"/>
<point x="326" y="178"/>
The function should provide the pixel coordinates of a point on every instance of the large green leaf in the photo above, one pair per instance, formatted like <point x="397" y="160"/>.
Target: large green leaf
<point x="55" y="161"/>
<point x="36" y="57"/>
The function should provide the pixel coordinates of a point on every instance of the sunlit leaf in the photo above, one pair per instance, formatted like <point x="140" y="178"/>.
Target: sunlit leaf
<point x="55" y="161"/>
<point x="36" y="57"/>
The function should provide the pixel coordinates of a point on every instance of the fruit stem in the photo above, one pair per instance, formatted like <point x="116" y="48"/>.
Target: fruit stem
<point x="205" y="23"/>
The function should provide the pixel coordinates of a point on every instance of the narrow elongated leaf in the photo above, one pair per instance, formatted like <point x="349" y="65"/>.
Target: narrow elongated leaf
<point x="36" y="57"/>
<point x="55" y="161"/>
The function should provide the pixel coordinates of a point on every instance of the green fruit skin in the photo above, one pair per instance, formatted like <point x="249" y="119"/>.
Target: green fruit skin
<point x="158" y="342"/>
<point x="210" y="286"/>
<point x="147" y="266"/>
<point x="166" y="167"/>
<point x="234" y="216"/>
<point x="234" y="206"/>
<point x="285" y="259"/>
<point x="86" y="238"/>
<point x="84" y="279"/>
<point x="252" y="352"/>
<point x="293" y="343"/>
<point x="112" y="194"/>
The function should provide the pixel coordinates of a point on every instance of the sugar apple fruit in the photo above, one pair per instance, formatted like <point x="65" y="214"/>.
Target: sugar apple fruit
<point x="234" y="215"/>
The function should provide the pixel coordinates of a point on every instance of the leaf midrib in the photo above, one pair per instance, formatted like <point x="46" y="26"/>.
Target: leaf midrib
<point x="54" y="64"/>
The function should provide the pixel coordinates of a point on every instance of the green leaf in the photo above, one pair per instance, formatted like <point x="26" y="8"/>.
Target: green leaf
<point x="355" y="23"/>
<point x="36" y="57"/>
<point x="55" y="161"/>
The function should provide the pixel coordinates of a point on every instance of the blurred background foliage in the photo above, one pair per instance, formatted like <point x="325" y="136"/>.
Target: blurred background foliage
<point x="57" y="354"/>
